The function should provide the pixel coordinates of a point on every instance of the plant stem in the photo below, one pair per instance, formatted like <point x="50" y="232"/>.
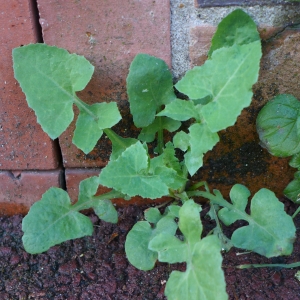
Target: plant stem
<point x="198" y="185"/>
<point x="287" y="266"/>
<point x="88" y="204"/>
<point x="296" y="212"/>
<point x="160" y="137"/>
<point x="83" y="106"/>
<point x="218" y="199"/>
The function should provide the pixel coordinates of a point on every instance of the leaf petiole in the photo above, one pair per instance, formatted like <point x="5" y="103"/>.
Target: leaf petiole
<point x="83" y="106"/>
<point x="286" y="266"/>
<point x="88" y="204"/>
<point x="296" y="212"/>
<point x="218" y="199"/>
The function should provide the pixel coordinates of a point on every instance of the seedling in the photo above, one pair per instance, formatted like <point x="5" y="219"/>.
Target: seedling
<point x="216" y="94"/>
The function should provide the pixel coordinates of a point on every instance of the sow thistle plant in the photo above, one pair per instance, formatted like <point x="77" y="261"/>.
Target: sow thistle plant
<point x="216" y="93"/>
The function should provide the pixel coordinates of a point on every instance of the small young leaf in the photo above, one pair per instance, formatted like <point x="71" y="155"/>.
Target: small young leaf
<point x="180" y="110"/>
<point x="51" y="221"/>
<point x="228" y="78"/>
<point x="173" y="210"/>
<point x="106" y="211"/>
<point x="160" y="123"/>
<point x="169" y="248"/>
<point x="277" y="126"/>
<point x="264" y="234"/>
<point x="152" y="215"/>
<point x="292" y="191"/>
<point x="189" y="221"/>
<point x="136" y="246"/>
<point x="201" y="140"/>
<point x="149" y="86"/>
<point x="181" y="140"/>
<point x="129" y="175"/>
<point x="88" y="130"/>
<point x="103" y="208"/>
<point x="87" y="189"/>
<point x="237" y="28"/>
<point x="295" y="161"/>
<point x="50" y="77"/>
<point x="138" y="238"/>
<point x="239" y="195"/>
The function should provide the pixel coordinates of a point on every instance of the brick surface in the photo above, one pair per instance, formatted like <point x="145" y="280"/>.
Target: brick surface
<point x="238" y="158"/>
<point x="19" y="190"/>
<point x="74" y="176"/>
<point x="23" y="144"/>
<point x="109" y="34"/>
<point x="212" y="3"/>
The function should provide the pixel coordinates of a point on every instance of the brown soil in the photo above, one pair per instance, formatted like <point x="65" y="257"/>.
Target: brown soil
<point x="96" y="267"/>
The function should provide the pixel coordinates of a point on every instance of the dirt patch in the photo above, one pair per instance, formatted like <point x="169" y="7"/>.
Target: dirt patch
<point x="96" y="267"/>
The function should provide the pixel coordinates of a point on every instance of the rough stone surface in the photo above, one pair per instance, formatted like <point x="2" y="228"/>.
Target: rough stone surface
<point x="209" y="3"/>
<point x="185" y="16"/>
<point x="109" y="34"/>
<point x="20" y="189"/>
<point x="74" y="176"/>
<point x="23" y="144"/>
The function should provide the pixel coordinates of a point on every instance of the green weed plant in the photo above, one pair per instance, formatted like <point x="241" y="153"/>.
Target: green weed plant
<point x="215" y="94"/>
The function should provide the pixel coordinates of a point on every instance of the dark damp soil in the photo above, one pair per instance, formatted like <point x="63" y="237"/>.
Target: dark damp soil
<point x="96" y="267"/>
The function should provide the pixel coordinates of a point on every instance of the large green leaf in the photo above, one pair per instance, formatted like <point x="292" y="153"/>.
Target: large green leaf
<point x="129" y="174"/>
<point x="203" y="278"/>
<point x="264" y="234"/>
<point x="227" y="78"/>
<point x="278" y="125"/>
<point x="149" y="86"/>
<point x="51" y="221"/>
<point x="89" y="130"/>
<point x="236" y="28"/>
<point x="138" y="238"/>
<point x="50" y="77"/>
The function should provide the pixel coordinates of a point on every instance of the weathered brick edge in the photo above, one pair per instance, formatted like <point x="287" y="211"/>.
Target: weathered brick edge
<point x="26" y="152"/>
<point x="20" y="189"/>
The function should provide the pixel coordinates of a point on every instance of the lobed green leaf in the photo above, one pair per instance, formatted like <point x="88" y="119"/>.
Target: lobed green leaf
<point x="228" y="84"/>
<point x="203" y="270"/>
<point x="264" y="234"/>
<point x="139" y="237"/>
<point x="203" y="278"/>
<point x="129" y="174"/>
